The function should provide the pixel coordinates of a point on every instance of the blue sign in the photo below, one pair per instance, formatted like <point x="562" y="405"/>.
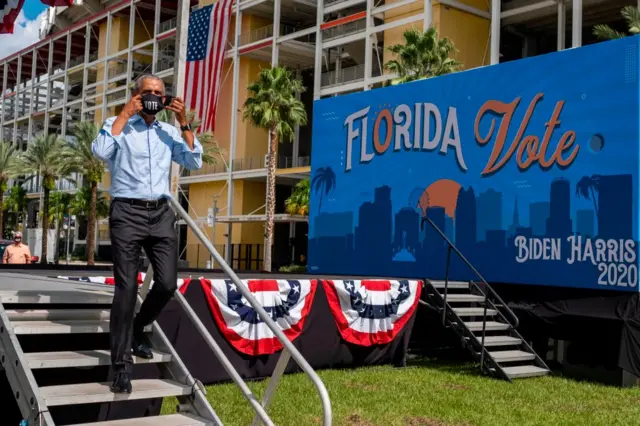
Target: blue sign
<point x="530" y="167"/>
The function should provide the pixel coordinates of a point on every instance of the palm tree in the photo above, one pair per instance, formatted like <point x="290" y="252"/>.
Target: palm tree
<point x="48" y="156"/>
<point x="422" y="55"/>
<point x="59" y="206"/>
<point x="587" y="188"/>
<point x="324" y="181"/>
<point x="7" y="170"/>
<point x="273" y="105"/>
<point x="207" y="139"/>
<point x="298" y="202"/>
<point x="92" y="169"/>
<point x="16" y="203"/>
<point x="631" y="15"/>
<point x="82" y="204"/>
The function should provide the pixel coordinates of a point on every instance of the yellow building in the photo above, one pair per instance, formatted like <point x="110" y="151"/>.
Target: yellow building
<point x="83" y="67"/>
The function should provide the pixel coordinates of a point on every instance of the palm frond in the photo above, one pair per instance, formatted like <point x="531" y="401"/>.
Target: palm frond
<point x="422" y="55"/>
<point x="273" y="102"/>
<point x="605" y="32"/>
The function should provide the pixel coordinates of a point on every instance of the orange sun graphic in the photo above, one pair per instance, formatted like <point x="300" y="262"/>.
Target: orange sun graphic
<point x="441" y="193"/>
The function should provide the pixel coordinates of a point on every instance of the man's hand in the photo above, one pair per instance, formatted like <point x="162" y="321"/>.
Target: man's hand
<point x="130" y="109"/>
<point x="177" y="107"/>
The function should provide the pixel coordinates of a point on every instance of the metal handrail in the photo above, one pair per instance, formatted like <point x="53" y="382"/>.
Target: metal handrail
<point x="289" y="349"/>
<point x="452" y="246"/>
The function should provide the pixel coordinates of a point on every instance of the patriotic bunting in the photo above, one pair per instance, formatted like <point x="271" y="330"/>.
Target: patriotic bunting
<point x="372" y="312"/>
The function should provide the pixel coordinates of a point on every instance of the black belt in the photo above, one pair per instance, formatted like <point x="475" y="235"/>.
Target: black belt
<point x="147" y="204"/>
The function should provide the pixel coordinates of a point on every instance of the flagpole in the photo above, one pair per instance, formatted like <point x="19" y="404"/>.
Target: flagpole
<point x="179" y="71"/>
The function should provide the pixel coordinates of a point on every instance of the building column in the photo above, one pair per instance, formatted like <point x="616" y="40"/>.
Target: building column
<point x="317" y="75"/>
<point x="576" y="26"/>
<point x="234" y="128"/>
<point x="426" y="23"/>
<point x="495" y="32"/>
<point x="276" y="33"/>
<point x="562" y="24"/>
<point x="368" y="54"/>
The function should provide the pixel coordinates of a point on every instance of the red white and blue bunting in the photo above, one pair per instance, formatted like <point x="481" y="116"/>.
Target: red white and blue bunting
<point x="372" y="312"/>
<point x="366" y="312"/>
<point x="288" y="302"/>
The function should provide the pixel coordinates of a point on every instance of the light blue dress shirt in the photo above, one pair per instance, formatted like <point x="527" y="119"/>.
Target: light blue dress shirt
<point x="139" y="158"/>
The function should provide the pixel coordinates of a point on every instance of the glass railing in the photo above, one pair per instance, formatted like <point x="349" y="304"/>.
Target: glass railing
<point x="344" y="30"/>
<point x="164" y="64"/>
<point x="117" y="69"/>
<point x="249" y="163"/>
<point x="345" y="75"/>
<point x="206" y="169"/>
<point x="290" y="162"/>
<point x="265" y="32"/>
<point x="167" y="25"/>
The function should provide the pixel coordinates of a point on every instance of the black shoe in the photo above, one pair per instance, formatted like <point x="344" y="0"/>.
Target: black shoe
<point x="121" y="383"/>
<point x="141" y="346"/>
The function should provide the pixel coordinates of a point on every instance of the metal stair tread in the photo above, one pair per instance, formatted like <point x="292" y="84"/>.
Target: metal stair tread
<point x="169" y="420"/>
<point x="455" y="298"/>
<point x="523" y="371"/>
<point x="514" y="355"/>
<point x="491" y="325"/>
<point x="92" y="358"/>
<point x="62" y="327"/>
<point x="88" y="393"/>
<point x="473" y="312"/>
<point x="452" y="284"/>
<point x="57" y="314"/>
<point x="499" y="340"/>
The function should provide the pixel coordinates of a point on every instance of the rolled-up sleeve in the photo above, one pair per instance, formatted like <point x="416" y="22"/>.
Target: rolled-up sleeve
<point x="106" y="144"/>
<point x="183" y="155"/>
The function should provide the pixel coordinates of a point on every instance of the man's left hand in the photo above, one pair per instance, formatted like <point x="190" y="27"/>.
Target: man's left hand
<point x="177" y="107"/>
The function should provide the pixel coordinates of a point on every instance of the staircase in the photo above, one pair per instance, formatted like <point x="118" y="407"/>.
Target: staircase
<point x="54" y="340"/>
<point x="483" y="322"/>
<point x="33" y="338"/>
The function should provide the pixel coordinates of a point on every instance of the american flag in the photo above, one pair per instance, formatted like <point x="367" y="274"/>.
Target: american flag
<point x="9" y="11"/>
<point x="208" y="28"/>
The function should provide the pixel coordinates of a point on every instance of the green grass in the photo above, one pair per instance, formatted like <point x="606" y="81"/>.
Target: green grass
<point x="432" y="394"/>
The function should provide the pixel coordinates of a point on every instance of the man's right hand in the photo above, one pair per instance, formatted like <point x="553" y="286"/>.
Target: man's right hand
<point x="130" y="109"/>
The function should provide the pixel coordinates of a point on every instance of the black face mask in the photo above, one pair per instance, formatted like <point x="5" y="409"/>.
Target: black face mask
<point x="152" y="104"/>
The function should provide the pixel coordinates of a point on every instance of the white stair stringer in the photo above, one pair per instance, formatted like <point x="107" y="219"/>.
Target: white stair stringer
<point x="462" y="306"/>
<point x="23" y="383"/>
<point x="34" y="401"/>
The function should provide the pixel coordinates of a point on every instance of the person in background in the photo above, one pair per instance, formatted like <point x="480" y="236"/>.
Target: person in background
<point x="17" y="253"/>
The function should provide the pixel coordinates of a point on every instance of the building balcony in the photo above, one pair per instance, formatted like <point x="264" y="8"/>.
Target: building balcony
<point x="166" y="26"/>
<point x="345" y="75"/>
<point x="344" y="30"/>
<point x="292" y="162"/>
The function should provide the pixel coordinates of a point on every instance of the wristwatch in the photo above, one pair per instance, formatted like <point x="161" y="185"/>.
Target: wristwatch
<point x="185" y="128"/>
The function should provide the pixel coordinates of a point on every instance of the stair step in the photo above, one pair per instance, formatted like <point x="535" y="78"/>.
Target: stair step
<point x="523" y="371"/>
<point x="491" y="326"/>
<point x="499" y="340"/>
<point x="452" y="284"/>
<point x="464" y="298"/>
<point x="512" y="356"/>
<point x="474" y="312"/>
<point x="66" y="359"/>
<point x="170" y="420"/>
<point x="62" y="327"/>
<point x="89" y="393"/>
<point x="58" y="314"/>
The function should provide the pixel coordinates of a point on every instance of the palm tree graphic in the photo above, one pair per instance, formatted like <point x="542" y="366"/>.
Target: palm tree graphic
<point x="587" y="188"/>
<point x="324" y="181"/>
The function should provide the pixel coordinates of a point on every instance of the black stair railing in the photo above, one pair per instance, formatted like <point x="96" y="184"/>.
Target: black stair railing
<point x="485" y="291"/>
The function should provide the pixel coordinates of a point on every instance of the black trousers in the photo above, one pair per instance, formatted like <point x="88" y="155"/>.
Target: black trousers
<point x="132" y="228"/>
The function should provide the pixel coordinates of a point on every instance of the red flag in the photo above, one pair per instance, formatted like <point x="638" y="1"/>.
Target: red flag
<point x="9" y="11"/>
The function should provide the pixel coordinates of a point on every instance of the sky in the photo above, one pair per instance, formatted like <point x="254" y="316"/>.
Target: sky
<point x="25" y="31"/>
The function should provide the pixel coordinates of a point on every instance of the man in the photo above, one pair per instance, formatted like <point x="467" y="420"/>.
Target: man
<point x="138" y="150"/>
<point x="17" y="253"/>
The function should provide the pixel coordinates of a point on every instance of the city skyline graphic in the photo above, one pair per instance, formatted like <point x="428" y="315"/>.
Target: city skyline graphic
<point x="542" y="193"/>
